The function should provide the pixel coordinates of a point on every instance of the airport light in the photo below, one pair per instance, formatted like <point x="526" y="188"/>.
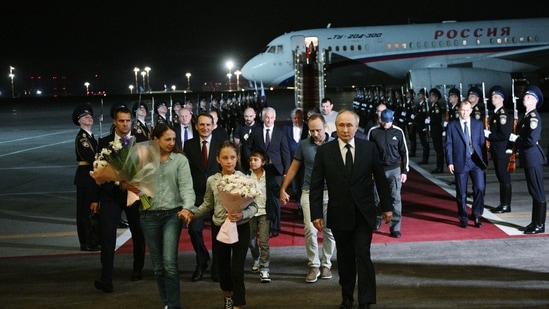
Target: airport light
<point x="12" y="76"/>
<point x="148" y="69"/>
<point x="237" y="73"/>
<point x="188" y="75"/>
<point x="131" y="88"/>
<point x="173" y="87"/>
<point x="144" y="74"/>
<point x="87" y="85"/>
<point x="136" y="70"/>
<point x="229" y="75"/>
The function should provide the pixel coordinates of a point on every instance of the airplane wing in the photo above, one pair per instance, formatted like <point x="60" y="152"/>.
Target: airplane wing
<point x="536" y="56"/>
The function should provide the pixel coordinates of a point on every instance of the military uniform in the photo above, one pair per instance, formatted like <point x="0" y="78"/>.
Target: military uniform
<point x="422" y="127"/>
<point x="139" y="128"/>
<point x="436" y="114"/>
<point x="500" y="123"/>
<point x="85" y="146"/>
<point x="532" y="160"/>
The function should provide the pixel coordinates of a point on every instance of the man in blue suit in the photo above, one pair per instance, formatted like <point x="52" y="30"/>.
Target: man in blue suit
<point x="466" y="157"/>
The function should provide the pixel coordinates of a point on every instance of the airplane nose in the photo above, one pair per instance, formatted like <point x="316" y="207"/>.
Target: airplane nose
<point x="247" y="69"/>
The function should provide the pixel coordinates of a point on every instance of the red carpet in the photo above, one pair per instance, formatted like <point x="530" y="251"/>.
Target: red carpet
<point x="429" y="214"/>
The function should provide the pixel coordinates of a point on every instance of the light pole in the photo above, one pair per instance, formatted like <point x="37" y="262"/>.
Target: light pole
<point x="237" y="73"/>
<point x="229" y="75"/>
<point x="87" y="88"/>
<point x="11" y="76"/>
<point x="148" y="69"/>
<point x="188" y="75"/>
<point x="144" y="74"/>
<point x="136" y="70"/>
<point x="131" y="88"/>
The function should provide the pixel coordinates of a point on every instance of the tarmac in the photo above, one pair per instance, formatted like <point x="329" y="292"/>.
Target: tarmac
<point x="41" y="266"/>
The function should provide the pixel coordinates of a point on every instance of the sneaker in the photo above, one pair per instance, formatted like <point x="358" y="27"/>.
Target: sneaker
<point x="325" y="273"/>
<point x="228" y="303"/>
<point x="264" y="276"/>
<point x="255" y="266"/>
<point x="313" y="275"/>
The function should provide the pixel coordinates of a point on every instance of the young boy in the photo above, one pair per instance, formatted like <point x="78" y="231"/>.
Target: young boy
<point x="259" y="241"/>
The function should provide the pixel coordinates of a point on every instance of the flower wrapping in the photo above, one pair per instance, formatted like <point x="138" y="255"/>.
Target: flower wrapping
<point x="236" y="192"/>
<point x="136" y="163"/>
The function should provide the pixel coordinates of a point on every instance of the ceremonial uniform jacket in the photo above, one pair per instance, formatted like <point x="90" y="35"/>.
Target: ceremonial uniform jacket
<point x="500" y="125"/>
<point x="85" y="146"/>
<point x="529" y="132"/>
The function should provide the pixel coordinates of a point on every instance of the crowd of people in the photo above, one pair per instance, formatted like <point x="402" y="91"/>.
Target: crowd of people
<point x="345" y="170"/>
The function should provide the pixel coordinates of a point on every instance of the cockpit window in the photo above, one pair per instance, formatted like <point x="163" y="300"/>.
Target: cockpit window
<point x="270" y="49"/>
<point x="274" y="49"/>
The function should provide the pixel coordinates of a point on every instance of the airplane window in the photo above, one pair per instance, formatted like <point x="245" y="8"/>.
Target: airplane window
<point x="404" y="45"/>
<point x="441" y="43"/>
<point x="329" y="48"/>
<point x="271" y="49"/>
<point x="521" y="39"/>
<point x="529" y="39"/>
<point x="464" y="43"/>
<point x="396" y="45"/>
<point x="359" y="47"/>
<point x="279" y="49"/>
<point x="344" y="47"/>
<point x="506" y="40"/>
<point x="426" y="44"/>
<point x="434" y="44"/>
<point x="478" y="41"/>
<point x="337" y="48"/>
<point x="352" y="47"/>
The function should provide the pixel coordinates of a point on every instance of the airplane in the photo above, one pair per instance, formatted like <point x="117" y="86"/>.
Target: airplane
<point x="419" y="55"/>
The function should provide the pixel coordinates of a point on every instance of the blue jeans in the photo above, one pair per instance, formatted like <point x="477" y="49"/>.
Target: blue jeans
<point x="162" y="229"/>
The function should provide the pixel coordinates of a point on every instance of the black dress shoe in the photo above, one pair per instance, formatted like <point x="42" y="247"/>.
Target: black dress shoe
<point x="90" y="248"/>
<point x="346" y="304"/>
<point x="137" y="275"/>
<point x="535" y="229"/>
<point x="463" y="224"/>
<point x="198" y="272"/>
<point x="477" y="221"/>
<point x="103" y="286"/>
<point x="396" y="234"/>
<point x="501" y="209"/>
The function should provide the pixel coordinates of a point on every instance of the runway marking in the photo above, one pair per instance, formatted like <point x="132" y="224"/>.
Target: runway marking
<point x="37" y="235"/>
<point x="34" y="148"/>
<point x="35" y="136"/>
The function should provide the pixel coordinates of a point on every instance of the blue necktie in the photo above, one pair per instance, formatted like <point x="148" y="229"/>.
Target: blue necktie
<point x="466" y="132"/>
<point x="186" y="135"/>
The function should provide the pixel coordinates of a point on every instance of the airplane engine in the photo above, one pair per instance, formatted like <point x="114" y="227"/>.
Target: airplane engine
<point x="456" y="77"/>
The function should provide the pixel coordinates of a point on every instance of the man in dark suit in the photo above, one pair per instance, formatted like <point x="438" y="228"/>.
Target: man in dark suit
<point x="346" y="166"/>
<point x="184" y="129"/>
<point x="295" y="132"/>
<point x="466" y="157"/>
<point x="203" y="164"/>
<point x="113" y="199"/>
<point x="271" y="140"/>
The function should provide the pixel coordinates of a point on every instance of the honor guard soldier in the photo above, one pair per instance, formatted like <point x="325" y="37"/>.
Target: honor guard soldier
<point x="177" y="106"/>
<point x="411" y="111"/>
<point x="500" y="126"/>
<point x="422" y="125"/>
<point x="139" y="127"/>
<point x="532" y="157"/>
<point x="400" y="111"/>
<point x="436" y="117"/>
<point x="85" y="146"/>
<point x="475" y="96"/>
<point x="453" y="101"/>
<point x="161" y="111"/>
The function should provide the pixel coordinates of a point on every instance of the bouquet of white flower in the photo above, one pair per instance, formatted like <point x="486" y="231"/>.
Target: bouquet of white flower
<point x="136" y="163"/>
<point x="236" y="192"/>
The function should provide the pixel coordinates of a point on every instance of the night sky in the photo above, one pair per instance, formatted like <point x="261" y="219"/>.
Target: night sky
<point x="101" y="42"/>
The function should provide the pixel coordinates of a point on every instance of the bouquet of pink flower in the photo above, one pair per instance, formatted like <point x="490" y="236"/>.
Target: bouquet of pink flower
<point x="126" y="160"/>
<point x="236" y="192"/>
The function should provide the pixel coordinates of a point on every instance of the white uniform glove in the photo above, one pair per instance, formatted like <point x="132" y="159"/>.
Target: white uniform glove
<point x="487" y="133"/>
<point x="428" y="120"/>
<point x="513" y="137"/>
